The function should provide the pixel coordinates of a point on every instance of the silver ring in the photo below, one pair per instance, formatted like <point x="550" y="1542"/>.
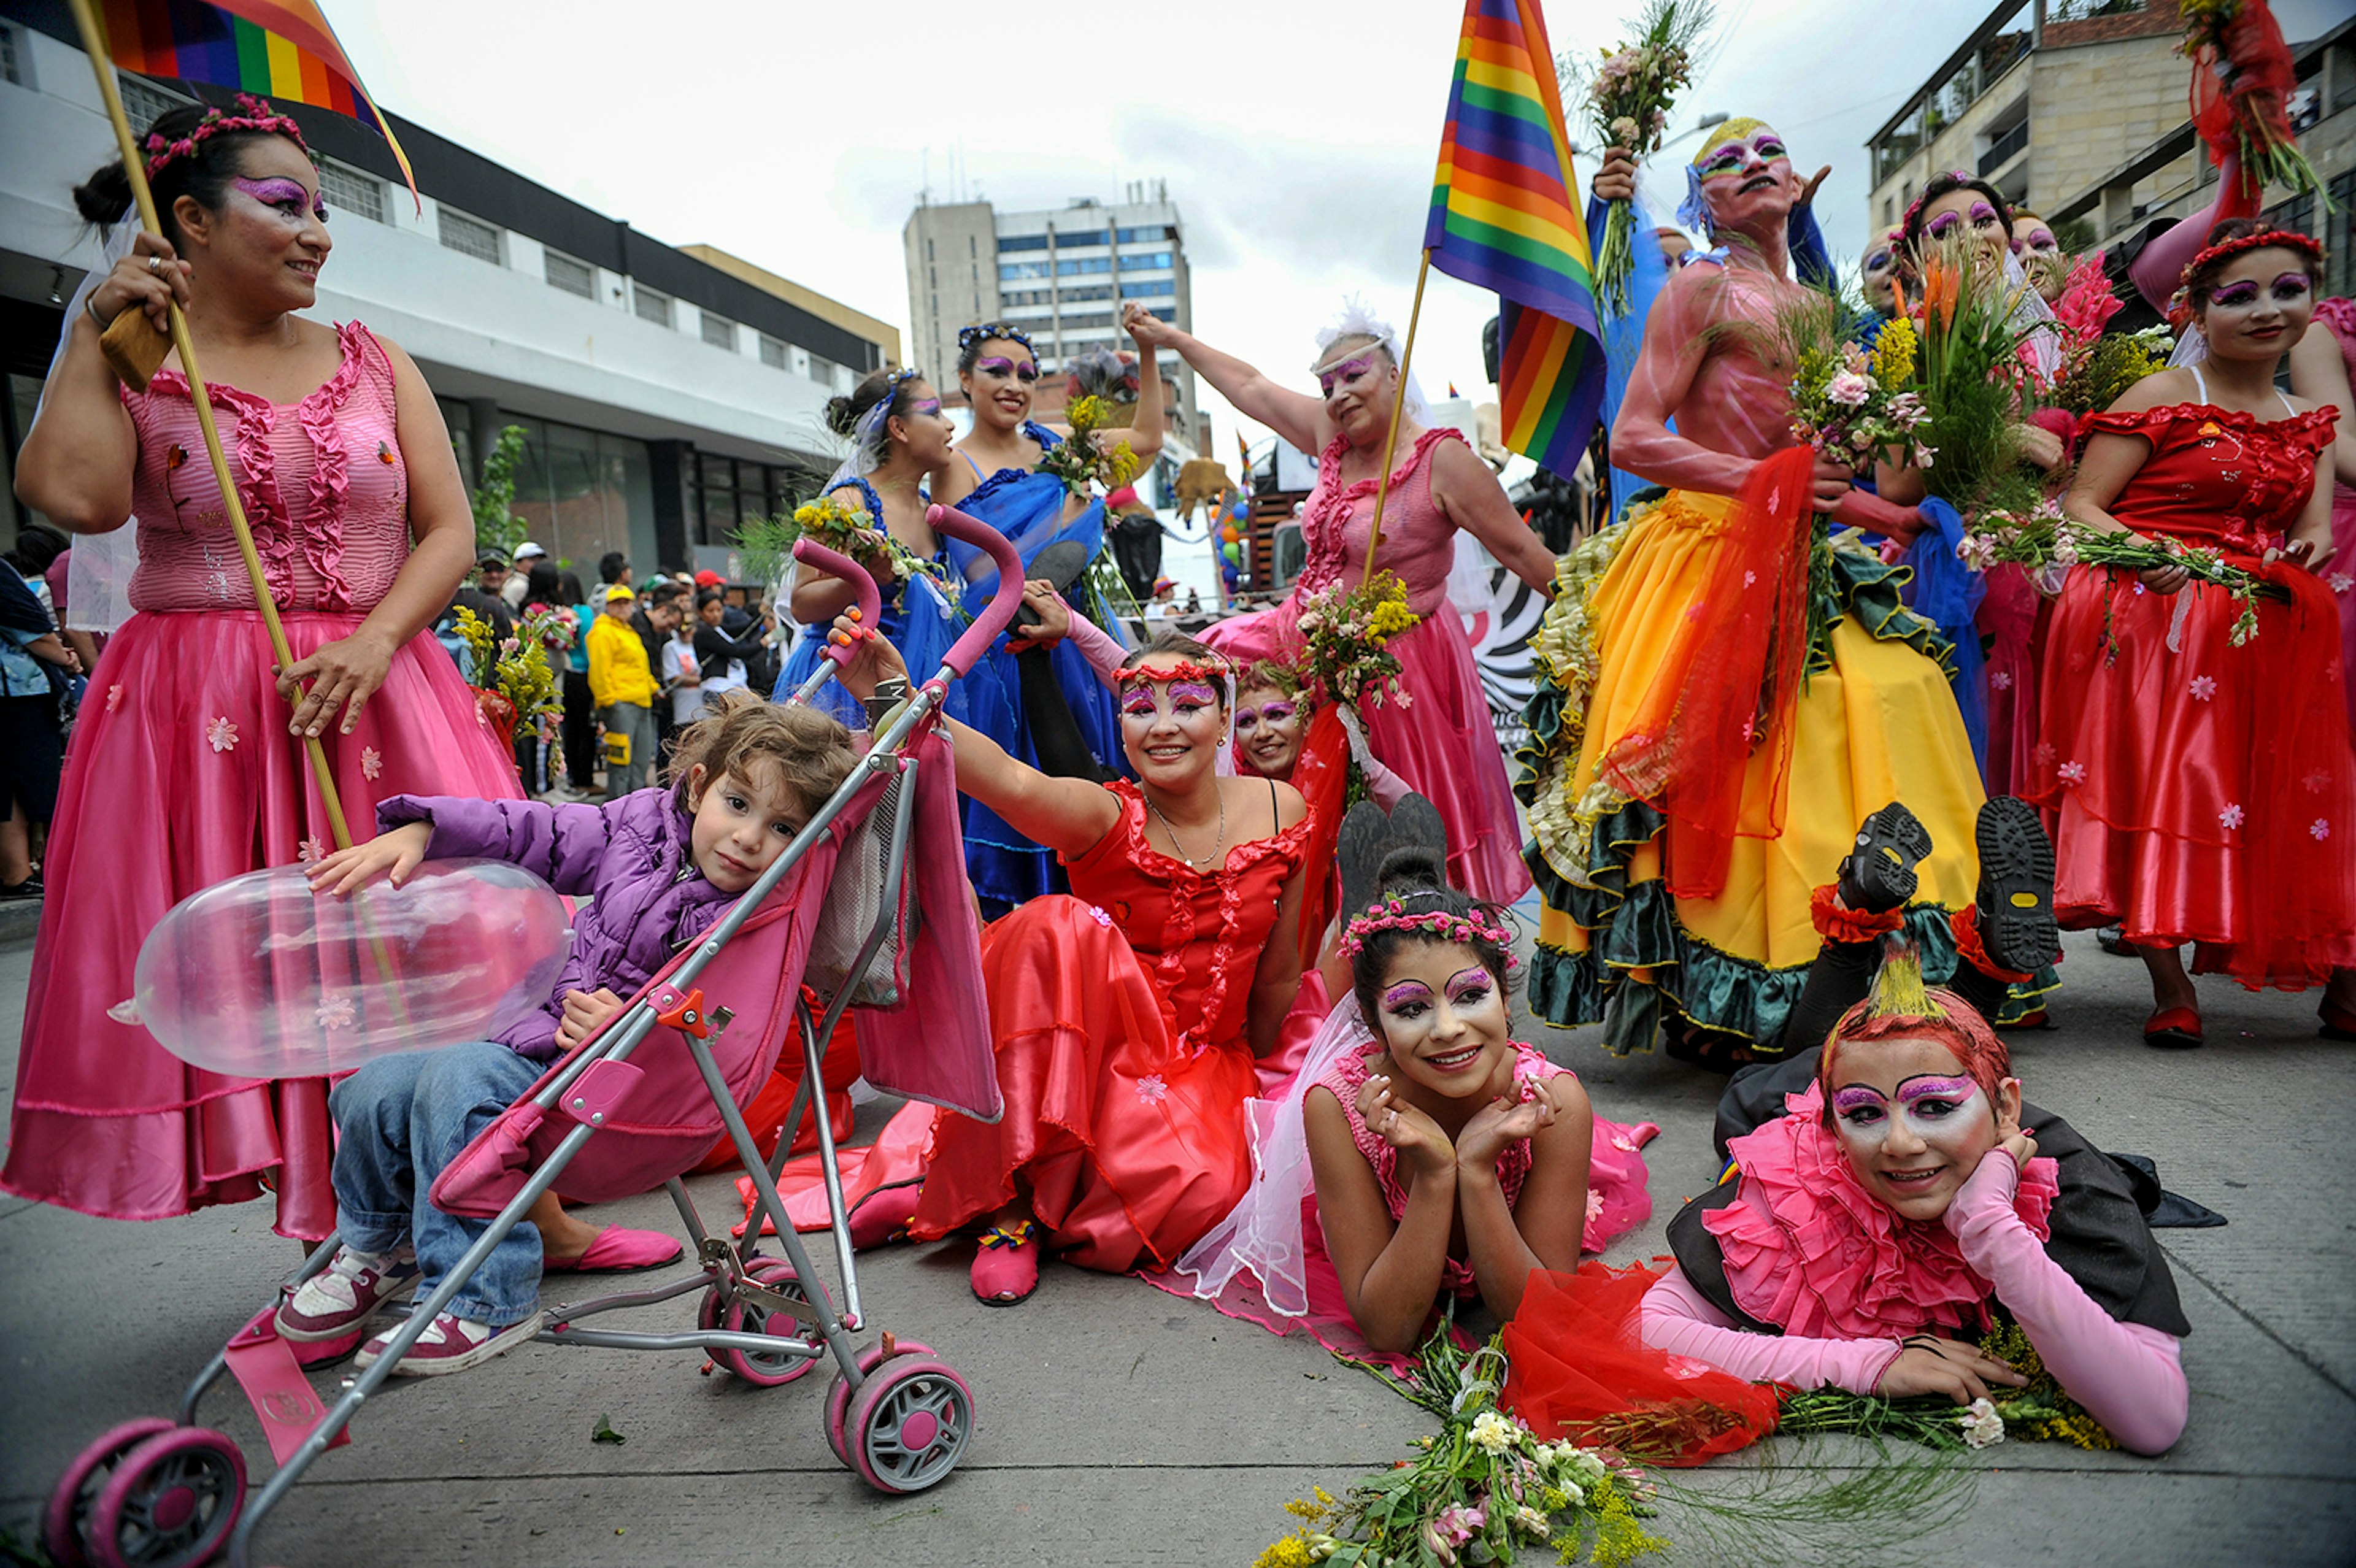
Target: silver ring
<point x="155" y="264"/>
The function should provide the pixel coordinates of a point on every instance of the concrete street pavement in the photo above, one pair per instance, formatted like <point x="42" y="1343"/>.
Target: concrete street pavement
<point x="1119" y="1424"/>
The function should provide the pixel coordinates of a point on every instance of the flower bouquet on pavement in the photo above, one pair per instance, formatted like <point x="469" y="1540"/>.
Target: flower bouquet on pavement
<point x="2040" y="1412"/>
<point x="1084" y="461"/>
<point x="1628" y="98"/>
<point x="1344" y="633"/>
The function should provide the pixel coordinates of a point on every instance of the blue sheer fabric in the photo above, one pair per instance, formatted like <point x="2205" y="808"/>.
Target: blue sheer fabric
<point x="1948" y="593"/>
<point x="1624" y="336"/>
<point x="1027" y="506"/>
<point x="920" y="621"/>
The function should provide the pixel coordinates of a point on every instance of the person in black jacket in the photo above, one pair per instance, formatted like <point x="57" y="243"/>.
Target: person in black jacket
<point x="725" y="661"/>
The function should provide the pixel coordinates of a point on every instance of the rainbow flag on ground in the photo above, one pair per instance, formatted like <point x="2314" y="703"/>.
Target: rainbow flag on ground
<point x="1505" y="215"/>
<point x="279" y="49"/>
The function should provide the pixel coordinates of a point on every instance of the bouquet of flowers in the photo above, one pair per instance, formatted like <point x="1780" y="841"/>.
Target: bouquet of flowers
<point x="2243" y="74"/>
<point x="513" y="679"/>
<point x="1628" y="98"/>
<point x="838" y="521"/>
<point x="2094" y="374"/>
<point x="1084" y="461"/>
<point x="2045" y="538"/>
<point x="1846" y="404"/>
<point x="1343" y="634"/>
<point x="2040" y="1412"/>
<point x="1485" y="1490"/>
<point x="1102" y="373"/>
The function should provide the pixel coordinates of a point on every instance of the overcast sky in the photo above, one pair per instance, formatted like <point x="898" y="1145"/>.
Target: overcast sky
<point x="1297" y="137"/>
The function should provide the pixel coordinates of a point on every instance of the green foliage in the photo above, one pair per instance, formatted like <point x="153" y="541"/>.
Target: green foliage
<point x="495" y="524"/>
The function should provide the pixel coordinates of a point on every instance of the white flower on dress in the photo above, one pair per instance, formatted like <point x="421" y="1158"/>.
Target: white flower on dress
<point x="2204" y="687"/>
<point x="2229" y="817"/>
<point x="1151" y="1090"/>
<point x="1594" y="1205"/>
<point x="1983" y="1427"/>
<point x="336" y="1012"/>
<point x="1750" y="578"/>
<point x="2319" y="830"/>
<point x="2072" y="773"/>
<point x="2001" y="680"/>
<point x="114" y="697"/>
<point x="372" y="762"/>
<point x="1624" y="1143"/>
<point x="1099" y="917"/>
<point x="314" y="849"/>
<point x="2341" y="581"/>
<point x="2315" y="781"/>
<point x="221" y="735"/>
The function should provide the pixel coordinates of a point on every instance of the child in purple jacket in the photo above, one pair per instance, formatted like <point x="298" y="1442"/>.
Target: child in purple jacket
<point x="660" y="865"/>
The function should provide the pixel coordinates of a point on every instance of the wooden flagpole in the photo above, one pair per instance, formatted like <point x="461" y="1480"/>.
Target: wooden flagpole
<point x="1399" y="402"/>
<point x="93" y="43"/>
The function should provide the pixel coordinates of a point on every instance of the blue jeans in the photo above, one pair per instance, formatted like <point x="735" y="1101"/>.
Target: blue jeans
<point x="399" y="1122"/>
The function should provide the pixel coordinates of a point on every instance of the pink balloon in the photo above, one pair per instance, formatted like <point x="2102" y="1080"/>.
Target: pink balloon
<point x="260" y="977"/>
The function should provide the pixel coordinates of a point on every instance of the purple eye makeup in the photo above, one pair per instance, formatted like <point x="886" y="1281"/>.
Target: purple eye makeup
<point x="1982" y="215"/>
<point x="1473" y="982"/>
<point x="2291" y="286"/>
<point x="930" y="406"/>
<point x="1003" y="366"/>
<point x="1348" y="370"/>
<point x="2235" y="294"/>
<point x="1947" y="223"/>
<point x="288" y="197"/>
<point x="1405" y="994"/>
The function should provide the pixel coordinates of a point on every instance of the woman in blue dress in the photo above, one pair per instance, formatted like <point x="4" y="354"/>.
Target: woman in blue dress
<point x="995" y="477"/>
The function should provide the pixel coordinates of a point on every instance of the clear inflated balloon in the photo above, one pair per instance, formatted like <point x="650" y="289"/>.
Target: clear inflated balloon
<point x="261" y="977"/>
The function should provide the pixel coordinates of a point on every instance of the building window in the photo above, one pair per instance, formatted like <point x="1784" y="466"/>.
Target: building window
<point x="2297" y="214"/>
<point x="1144" y="260"/>
<point x="773" y="352"/>
<point x="719" y="332"/>
<point x="573" y="277"/>
<point x="1070" y="266"/>
<point x="821" y="370"/>
<point x="1007" y="272"/>
<point x="470" y="236"/>
<point x="928" y="248"/>
<point x="2339" y="236"/>
<point x="348" y="190"/>
<point x="143" y="102"/>
<point x="1022" y="242"/>
<point x="1157" y="231"/>
<point x="1151" y="286"/>
<point x="1072" y="241"/>
<point x="12" y="57"/>
<point x="652" y="304"/>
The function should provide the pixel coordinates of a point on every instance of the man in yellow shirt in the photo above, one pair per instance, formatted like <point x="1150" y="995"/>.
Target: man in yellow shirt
<point x="622" y="685"/>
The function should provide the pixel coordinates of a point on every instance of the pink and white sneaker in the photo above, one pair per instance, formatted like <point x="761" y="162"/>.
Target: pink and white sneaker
<point x="450" y="1344"/>
<point x="324" y="1318"/>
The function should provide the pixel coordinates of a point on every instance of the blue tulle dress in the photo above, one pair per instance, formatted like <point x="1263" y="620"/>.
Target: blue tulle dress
<point x="1027" y="506"/>
<point x="921" y="621"/>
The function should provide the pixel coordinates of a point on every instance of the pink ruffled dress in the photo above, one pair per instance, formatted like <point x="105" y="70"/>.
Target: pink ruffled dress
<point x="2338" y="316"/>
<point x="1443" y="741"/>
<point x="182" y="775"/>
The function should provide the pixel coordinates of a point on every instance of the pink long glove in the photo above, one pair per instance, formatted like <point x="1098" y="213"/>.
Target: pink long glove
<point x="2158" y="271"/>
<point x="1096" y="647"/>
<point x="1678" y="1319"/>
<point x="2129" y="1377"/>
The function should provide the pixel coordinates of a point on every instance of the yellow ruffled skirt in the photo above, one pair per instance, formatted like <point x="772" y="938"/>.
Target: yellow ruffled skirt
<point x="1875" y="722"/>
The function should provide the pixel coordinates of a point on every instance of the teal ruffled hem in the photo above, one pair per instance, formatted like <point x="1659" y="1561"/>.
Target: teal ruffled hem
<point x="1852" y="580"/>
<point x="1635" y="927"/>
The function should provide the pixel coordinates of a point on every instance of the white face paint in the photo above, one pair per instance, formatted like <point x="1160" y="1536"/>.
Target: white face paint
<point x="1913" y="1124"/>
<point x="1443" y="1016"/>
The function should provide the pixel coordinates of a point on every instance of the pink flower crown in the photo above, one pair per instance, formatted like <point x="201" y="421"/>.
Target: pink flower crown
<point x="1439" y="925"/>
<point x="253" y="114"/>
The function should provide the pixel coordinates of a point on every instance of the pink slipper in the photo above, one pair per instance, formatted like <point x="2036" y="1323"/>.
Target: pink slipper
<point x="885" y="1216"/>
<point x="1006" y="1263"/>
<point x="620" y="1251"/>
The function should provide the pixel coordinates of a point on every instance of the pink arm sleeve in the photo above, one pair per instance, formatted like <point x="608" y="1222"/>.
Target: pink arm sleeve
<point x="1386" y="786"/>
<point x="2160" y="270"/>
<point x="2129" y="1377"/>
<point x="1096" y="647"/>
<point x="1678" y="1319"/>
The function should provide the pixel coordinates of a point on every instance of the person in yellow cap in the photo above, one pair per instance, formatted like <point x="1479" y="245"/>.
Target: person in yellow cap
<point x="622" y="685"/>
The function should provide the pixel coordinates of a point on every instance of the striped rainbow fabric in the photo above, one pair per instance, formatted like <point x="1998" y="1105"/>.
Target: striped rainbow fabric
<point x="280" y="49"/>
<point x="1505" y="215"/>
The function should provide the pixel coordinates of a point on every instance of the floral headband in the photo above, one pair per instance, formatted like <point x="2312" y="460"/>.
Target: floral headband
<point x="2265" y="239"/>
<point x="1964" y="181"/>
<point x="1440" y="924"/>
<point x="1163" y="675"/>
<point x="982" y="332"/>
<point x="253" y="114"/>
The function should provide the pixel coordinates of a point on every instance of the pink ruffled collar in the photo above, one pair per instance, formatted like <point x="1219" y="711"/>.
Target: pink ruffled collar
<point x="1808" y="1249"/>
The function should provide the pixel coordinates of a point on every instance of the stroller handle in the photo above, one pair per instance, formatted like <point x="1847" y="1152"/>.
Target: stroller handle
<point x="999" y="613"/>
<point x="834" y="564"/>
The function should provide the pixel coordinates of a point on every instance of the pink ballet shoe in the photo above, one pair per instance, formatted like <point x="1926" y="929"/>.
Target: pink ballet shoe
<point x="885" y="1216"/>
<point x="1006" y="1265"/>
<point x="620" y="1251"/>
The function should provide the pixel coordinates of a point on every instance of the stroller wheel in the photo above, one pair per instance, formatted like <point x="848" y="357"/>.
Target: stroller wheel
<point x="757" y="1368"/>
<point x="908" y="1424"/>
<point x="837" y="1392"/>
<point x="69" y="1501"/>
<point x="170" y="1503"/>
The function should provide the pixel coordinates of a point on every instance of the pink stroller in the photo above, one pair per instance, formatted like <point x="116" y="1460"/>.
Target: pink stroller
<point x="847" y="909"/>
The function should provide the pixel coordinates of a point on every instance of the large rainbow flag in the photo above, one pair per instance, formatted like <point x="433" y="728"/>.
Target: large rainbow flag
<point x="280" y="49"/>
<point x="1505" y="215"/>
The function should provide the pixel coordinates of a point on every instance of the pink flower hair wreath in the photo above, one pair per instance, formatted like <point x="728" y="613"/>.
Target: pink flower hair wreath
<point x="1438" y="925"/>
<point x="253" y="114"/>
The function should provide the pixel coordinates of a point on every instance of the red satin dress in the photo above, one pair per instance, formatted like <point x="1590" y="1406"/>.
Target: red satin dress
<point x="2203" y="791"/>
<point x="1119" y="1015"/>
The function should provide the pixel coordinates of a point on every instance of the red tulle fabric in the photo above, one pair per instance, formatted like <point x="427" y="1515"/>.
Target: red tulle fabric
<point x="1322" y="775"/>
<point x="1809" y="1250"/>
<point x="2201" y="792"/>
<point x="1734" y="664"/>
<point x="1577" y="1369"/>
<point x="2259" y="76"/>
<point x="182" y="775"/>
<point x="1122" y="1058"/>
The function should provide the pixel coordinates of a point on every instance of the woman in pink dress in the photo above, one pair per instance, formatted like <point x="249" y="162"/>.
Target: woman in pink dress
<point x="185" y="769"/>
<point x="1440" y="739"/>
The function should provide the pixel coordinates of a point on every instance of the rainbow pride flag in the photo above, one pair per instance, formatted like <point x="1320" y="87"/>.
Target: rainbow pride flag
<point x="280" y="49"/>
<point x="1505" y="216"/>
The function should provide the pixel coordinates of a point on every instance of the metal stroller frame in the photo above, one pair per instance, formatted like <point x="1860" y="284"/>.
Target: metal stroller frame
<point x="169" y="1494"/>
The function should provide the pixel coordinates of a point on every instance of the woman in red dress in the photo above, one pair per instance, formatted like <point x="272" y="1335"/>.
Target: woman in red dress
<point x="2199" y="774"/>
<point x="1128" y="1014"/>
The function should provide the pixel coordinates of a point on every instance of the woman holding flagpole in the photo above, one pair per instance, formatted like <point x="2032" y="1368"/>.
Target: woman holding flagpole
<point x="1438" y="736"/>
<point x="188" y="766"/>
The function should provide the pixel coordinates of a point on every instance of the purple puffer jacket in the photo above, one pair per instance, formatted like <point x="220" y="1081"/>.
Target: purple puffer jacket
<point x="631" y="856"/>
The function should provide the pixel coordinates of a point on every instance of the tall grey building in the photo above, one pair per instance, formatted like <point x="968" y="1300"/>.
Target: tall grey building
<point x="1060" y="274"/>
